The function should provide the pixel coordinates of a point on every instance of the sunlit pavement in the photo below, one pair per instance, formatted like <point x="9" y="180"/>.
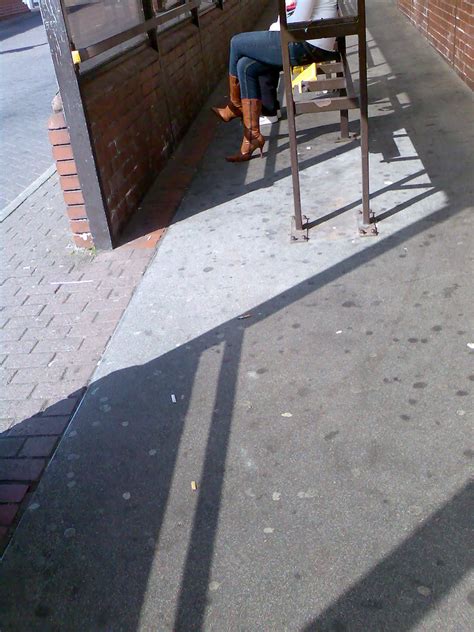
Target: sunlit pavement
<point x="27" y="86"/>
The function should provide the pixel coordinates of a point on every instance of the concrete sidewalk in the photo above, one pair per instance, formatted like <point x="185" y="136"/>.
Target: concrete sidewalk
<point x="318" y="395"/>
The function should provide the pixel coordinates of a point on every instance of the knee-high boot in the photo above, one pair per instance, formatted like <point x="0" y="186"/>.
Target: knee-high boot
<point x="253" y="139"/>
<point x="233" y="109"/>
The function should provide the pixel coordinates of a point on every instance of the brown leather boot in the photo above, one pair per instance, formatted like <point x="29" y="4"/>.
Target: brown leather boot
<point x="251" y="109"/>
<point x="234" y="108"/>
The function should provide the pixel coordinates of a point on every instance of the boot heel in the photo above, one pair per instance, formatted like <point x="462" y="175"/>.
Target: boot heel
<point x="261" y="152"/>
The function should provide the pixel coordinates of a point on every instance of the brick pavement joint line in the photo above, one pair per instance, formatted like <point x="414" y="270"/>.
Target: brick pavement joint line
<point x="7" y="514"/>
<point x="38" y="446"/>
<point x="12" y="492"/>
<point x="26" y="361"/>
<point x="28" y="470"/>
<point x="21" y="409"/>
<point x="10" y="446"/>
<point x="39" y="426"/>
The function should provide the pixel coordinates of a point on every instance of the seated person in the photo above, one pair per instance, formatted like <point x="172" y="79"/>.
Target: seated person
<point x="255" y="53"/>
<point x="269" y="82"/>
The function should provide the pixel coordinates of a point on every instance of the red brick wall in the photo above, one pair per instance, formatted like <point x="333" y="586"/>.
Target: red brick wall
<point x="9" y="8"/>
<point x="141" y="105"/>
<point x="449" y="27"/>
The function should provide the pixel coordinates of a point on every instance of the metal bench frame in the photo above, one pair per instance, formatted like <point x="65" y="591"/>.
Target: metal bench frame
<point x="350" y="21"/>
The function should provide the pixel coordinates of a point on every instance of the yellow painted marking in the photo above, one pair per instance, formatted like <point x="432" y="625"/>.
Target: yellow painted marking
<point x="303" y="73"/>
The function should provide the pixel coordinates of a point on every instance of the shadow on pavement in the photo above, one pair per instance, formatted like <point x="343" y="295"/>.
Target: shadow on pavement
<point x="21" y="49"/>
<point x="428" y="564"/>
<point x="20" y="24"/>
<point x="94" y="574"/>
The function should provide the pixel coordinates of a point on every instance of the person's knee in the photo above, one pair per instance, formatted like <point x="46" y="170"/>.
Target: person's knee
<point x="242" y="66"/>
<point x="235" y="39"/>
<point x="254" y="69"/>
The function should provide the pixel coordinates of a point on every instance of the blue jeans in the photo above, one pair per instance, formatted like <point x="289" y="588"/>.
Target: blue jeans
<point x="251" y="55"/>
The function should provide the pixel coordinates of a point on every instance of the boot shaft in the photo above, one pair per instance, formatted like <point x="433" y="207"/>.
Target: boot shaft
<point x="234" y="92"/>
<point x="251" y="110"/>
<point x="253" y="139"/>
<point x="233" y="109"/>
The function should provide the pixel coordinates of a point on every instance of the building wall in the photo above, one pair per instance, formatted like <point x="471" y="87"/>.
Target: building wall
<point x="10" y="8"/>
<point x="140" y="106"/>
<point x="449" y="27"/>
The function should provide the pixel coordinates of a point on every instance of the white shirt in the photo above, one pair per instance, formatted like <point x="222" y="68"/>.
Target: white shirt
<point x="310" y="11"/>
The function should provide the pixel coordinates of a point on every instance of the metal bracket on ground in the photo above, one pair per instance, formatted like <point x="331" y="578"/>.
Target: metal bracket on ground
<point x="349" y="139"/>
<point x="299" y="235"/>
<point x="367" y="230"/>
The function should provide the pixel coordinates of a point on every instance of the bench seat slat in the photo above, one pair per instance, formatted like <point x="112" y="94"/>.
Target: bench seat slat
<point x="336" y="27"/>
<point x="326" y="84"/>
<point x="335" y="104"/>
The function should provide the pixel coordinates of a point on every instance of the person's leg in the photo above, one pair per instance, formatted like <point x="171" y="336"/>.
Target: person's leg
<point x="248" y="72"/>
<point x="253" y="139"/>
<point x="251" y="56"/>
<point x="233" y="109"/>
<point x="253" y="42"/>
<point x="268" y="89"/>
<point x="263" y="46"/>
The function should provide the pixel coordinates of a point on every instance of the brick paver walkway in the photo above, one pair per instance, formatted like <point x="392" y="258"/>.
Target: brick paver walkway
<point x="59" y="309"/>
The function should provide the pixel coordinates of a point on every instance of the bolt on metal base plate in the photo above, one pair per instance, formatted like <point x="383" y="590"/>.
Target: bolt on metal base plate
<point x="367" y="230"/>
<point x="299" y="236"/>
<point x="348" y="139"/>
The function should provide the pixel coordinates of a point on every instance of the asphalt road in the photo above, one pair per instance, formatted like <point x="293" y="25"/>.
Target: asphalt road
<point x="27" y="85"/>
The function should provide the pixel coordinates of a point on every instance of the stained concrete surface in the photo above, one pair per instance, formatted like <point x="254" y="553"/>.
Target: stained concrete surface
<point x="328" y="429"/>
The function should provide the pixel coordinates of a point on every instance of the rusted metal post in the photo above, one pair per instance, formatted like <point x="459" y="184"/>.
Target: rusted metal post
<point x="364" y="119"/>
<point x="344" y="114"/>
<point x="298" y="230"/>
<point x="149" y="13"/>
<point x="76" y="118"/>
